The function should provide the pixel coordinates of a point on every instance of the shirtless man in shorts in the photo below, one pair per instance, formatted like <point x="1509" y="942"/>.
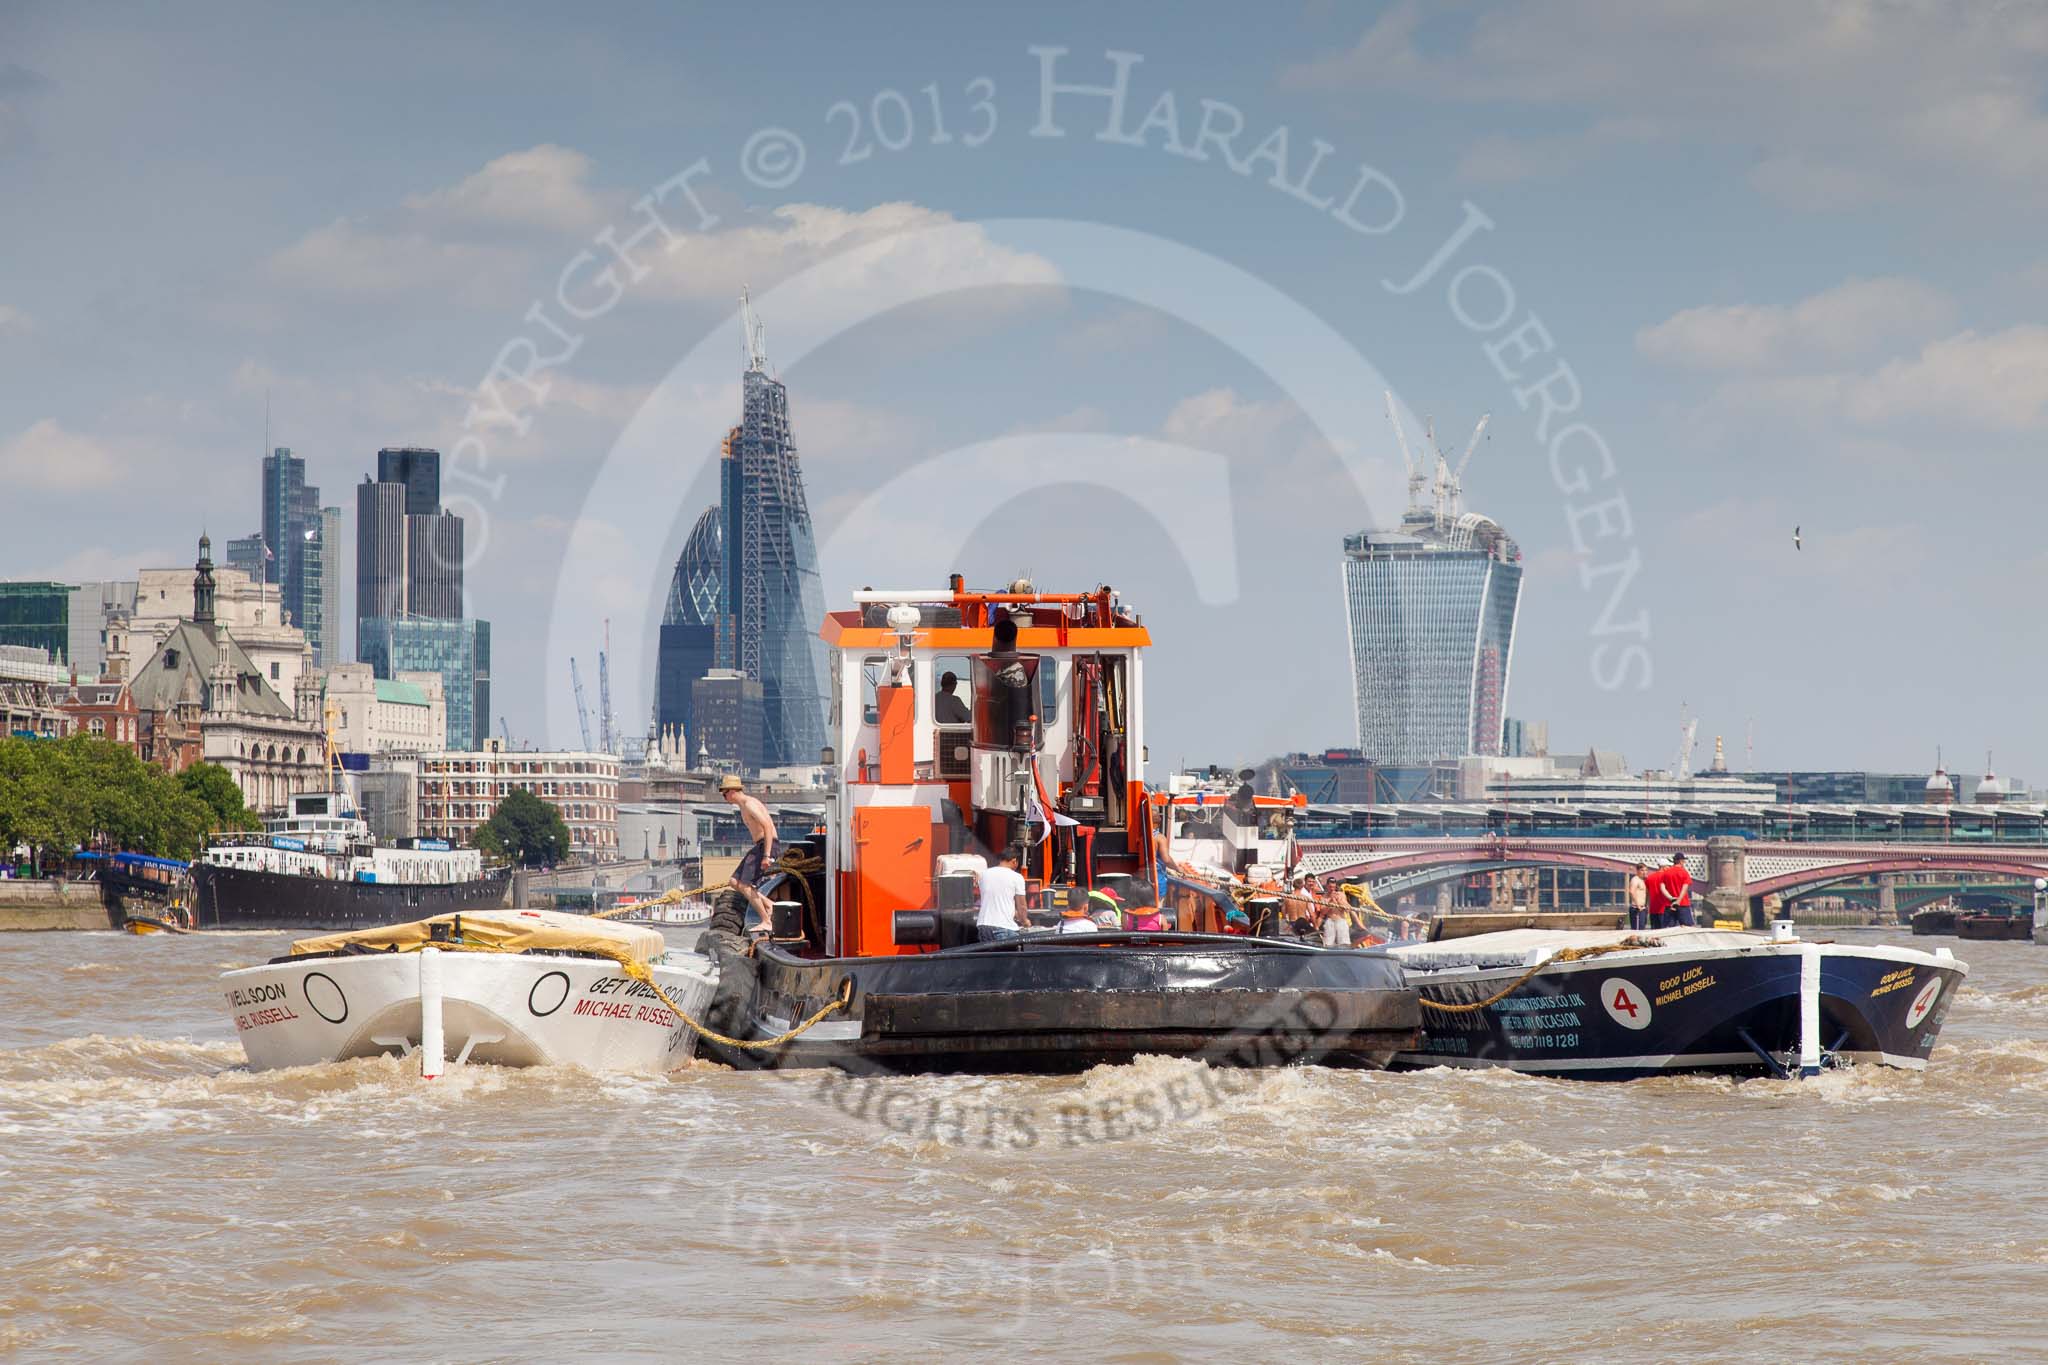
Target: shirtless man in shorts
<point x="760" y="859"/>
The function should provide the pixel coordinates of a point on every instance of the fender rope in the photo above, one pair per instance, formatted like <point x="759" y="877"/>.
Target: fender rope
<point x="643" y="974"/>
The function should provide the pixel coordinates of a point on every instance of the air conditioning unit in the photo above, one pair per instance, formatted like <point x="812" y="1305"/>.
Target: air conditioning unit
<point x="995" y="781"/>
<point x="955" y="753"/>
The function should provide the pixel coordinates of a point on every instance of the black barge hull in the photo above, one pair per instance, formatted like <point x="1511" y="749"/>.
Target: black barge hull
<point x="1062" y="1004"/>
<point x="245" y="898"/>
<point x="1733" y="1011"/>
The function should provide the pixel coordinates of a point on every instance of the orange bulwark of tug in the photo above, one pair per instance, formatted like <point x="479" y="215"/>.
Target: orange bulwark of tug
<point x="969" y="723"/>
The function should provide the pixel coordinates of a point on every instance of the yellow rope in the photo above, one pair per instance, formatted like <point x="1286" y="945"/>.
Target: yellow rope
<point x="1563" y="955"/>
<point x="673" y="896"/>
<point x="643" y="974"/>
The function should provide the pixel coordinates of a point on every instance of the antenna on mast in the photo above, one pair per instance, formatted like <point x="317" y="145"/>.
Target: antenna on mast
<point x="750" y="323"/>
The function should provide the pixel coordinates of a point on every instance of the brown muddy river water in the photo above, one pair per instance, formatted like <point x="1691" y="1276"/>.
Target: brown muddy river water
<point x="160" y="1201"/>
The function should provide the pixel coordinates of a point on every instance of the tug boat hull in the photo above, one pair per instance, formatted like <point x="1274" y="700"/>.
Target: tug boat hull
<point x="1700" y="1001"/>
<point x="1062" y="1004"/>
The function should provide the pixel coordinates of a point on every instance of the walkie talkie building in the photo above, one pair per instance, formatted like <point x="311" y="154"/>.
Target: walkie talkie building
<point x="1431" y="608"/>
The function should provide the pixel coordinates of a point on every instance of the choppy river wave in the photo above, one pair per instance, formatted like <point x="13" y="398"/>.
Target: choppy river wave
<point x="157" y="1199"/>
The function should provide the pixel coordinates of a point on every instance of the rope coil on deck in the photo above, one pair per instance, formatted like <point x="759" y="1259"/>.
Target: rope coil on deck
<point x="1562" y="955"/>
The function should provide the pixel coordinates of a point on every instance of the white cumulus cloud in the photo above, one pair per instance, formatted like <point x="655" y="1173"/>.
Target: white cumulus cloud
<point x="1837" y="101"/>
<point x="48" y="458"/>
<point x="1848" y="321"/>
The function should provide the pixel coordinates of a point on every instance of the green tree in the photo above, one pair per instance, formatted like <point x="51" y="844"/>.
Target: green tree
<point x="42" y="802"/>
<point x="58" y="795"/>
<point x="526" y="830"/>
<point x="226" y="810"/>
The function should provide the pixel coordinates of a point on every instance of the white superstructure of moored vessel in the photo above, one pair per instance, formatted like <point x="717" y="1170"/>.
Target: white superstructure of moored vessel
<point x="323" y="836"/>
<point x="319" y="867"/>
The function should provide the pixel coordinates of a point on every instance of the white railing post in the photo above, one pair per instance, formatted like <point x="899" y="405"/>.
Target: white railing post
<point x="433" y="1046"/>
<point x="1809" y="1009"/>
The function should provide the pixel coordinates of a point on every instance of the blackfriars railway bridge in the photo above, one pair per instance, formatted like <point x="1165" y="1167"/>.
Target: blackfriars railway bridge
<point x="1738" y="855"/>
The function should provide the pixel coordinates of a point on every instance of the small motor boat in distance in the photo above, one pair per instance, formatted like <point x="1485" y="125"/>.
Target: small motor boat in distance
<point x="510" y="987"/>
<point x="877" y="963"/>
<point x="1577" y="995"/>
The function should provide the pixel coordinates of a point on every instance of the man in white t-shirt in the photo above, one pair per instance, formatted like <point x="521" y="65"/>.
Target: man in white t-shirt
<point x="1002" y="901"/>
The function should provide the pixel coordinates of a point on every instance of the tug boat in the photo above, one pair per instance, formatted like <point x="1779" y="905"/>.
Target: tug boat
<point x="508" y="987"/>
<point x="1577" y="995"/>
<point x="874" y="962"/>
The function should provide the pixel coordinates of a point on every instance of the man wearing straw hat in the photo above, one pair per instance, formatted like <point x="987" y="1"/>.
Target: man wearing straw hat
<point x="760" y="859"/>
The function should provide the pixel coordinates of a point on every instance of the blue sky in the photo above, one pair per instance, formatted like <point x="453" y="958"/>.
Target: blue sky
<point x="1786" y="255"/>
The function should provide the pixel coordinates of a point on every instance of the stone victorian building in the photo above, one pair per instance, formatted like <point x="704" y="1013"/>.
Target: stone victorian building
<point x="201" y="695"/>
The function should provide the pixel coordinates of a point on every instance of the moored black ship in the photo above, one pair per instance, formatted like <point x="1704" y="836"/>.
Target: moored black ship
<point x="319" y="868"/>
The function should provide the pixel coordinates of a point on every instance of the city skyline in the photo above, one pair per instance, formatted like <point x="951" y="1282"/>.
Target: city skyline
<point x="1826" y="383"/>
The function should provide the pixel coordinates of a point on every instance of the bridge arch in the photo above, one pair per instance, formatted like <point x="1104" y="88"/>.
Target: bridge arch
<point x="1459" y="862"/>
<point x="1806" y="880"/>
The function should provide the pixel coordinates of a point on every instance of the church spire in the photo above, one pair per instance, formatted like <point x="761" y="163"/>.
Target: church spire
<point x="202" y="583"/>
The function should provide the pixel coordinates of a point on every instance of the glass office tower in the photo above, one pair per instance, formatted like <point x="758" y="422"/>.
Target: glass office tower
<point x="773" y="594"/>
<point x="1431" y="609"/>
<point x="292" y="545"/>
<point x="460" y="651"/>
<point x="688" y="647"/>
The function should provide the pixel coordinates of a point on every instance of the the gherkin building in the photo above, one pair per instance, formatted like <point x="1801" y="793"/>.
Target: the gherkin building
<point x="690" y="635"/>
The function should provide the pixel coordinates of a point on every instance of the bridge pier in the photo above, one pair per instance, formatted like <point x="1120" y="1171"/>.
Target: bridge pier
<point x="1887" y="899"/>
<point x="1728" y="880"/>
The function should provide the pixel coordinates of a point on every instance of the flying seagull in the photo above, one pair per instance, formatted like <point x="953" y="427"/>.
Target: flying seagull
<point x="1795" y="538"/>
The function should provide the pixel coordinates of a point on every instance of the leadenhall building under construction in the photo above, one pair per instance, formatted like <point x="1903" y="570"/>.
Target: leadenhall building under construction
<point x="747" y="596"/>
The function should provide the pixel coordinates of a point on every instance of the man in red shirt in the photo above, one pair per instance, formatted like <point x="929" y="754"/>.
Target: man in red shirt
<point x="1676" y="884"/>
<point x="1657" y="896"/>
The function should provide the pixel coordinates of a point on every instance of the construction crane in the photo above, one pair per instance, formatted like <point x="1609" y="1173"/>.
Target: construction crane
<point x="505" y="729"/>
<point x="604" y="692"/>
<point x="582" y="711"/>
<point x="1450" y="488"/>
<point x="1688" y="737"/>
<point x="1458" y="474"/>
<point x="1416" y="478"/>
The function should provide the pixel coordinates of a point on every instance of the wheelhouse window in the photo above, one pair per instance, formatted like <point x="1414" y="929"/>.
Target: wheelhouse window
<point x="953" y="690"/>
